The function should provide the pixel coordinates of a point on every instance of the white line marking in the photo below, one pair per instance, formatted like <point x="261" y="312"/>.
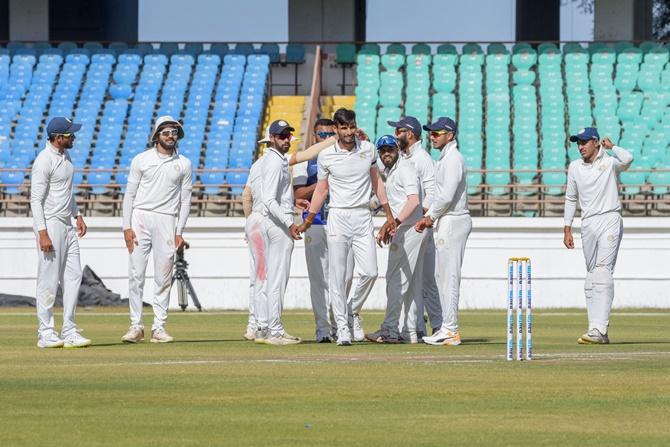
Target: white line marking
<point x="546" y="313"/>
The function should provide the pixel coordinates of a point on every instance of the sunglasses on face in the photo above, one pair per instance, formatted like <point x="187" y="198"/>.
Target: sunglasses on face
<point x="283" y="136"/>
<point x="325" y="134"/>
<point x="66" y="135"/>
<point x="169" y="133"/>
<point x="438" y="133"/>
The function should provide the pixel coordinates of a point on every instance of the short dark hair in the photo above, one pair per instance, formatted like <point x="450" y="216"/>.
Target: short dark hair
<point x="344" y="116"/>
<point x="324" y="122"/>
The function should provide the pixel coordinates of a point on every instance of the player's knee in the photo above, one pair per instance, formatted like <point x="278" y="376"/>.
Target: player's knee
<point x="602" y="276"/>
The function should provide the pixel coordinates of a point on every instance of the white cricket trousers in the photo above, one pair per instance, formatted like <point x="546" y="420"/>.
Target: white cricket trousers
<point x="601" y="237"/>
<point x="430" y="293"/>
<point x="404" y="277"/>
<point x="350" y="230"/>
<point x="451" y="235"/>
<point x="257" y="241"/>
<point x="62" y="266"/>
<point x="155" y="233"/>
<point x="316" y="256"/>
<point x="280" y="249"/>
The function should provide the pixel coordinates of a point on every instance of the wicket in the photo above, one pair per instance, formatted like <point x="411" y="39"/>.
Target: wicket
<point x="519" y="263"/>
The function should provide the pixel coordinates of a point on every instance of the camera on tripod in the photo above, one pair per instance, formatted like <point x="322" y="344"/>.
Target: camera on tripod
<point x="184" y="286"/>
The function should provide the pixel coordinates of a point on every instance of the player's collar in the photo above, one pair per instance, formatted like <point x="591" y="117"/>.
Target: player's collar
<point x="448" y="147"/>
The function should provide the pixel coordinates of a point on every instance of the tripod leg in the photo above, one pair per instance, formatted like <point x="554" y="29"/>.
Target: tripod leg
<point x="194" y="296"/>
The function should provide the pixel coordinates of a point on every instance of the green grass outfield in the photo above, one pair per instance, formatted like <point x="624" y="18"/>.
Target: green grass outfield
<point x="212" y="388"/>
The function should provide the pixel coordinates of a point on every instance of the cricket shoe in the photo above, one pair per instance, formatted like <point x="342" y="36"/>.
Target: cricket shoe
<point x="410" y="338"/>
<point x="160" y="335"/>
<point x="76" y="340"/>
<point x="323" y="338"/>
<point x="134" y="335"/>
<point x="283" y="339"/>
<point x="358" y="332"/>
<point x="261" y="336"/>
<point x="443" y="337"/>
<point x="343" y="337"/>
<point x="383" y="336"/>
<point x="49" y="340"/>
<point x="250" y="333"/>
<point x="593" y="337"/>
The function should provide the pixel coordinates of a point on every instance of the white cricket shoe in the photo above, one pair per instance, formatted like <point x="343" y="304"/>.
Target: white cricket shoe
<point x="358" y="332"/>
<point x="410" y="337"/>
<point x="135" y="334"/>
<point x="343" y="337"/>
<point x="593" y="337"/>
<point x="261" y="336"/>
<point x="161" y="336"/>
<point x="76" y="340"/>
<point x="49" y="340"/>
<point x="283" y="339"/>
<point x="443" y="337"/>
<point x="250" y="333"/>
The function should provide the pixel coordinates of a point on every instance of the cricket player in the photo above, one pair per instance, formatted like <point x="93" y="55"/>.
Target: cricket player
<point x="316" y="243"/>
<point x="450" y="215"/>
<point x="403" y="274"/>
<point x="593" y="180"/>
<point x="54" y="207"/>
<point x="256" y="237"/>
<point x="408" y="133"/>
<point x="155" y="209"/>
<point x="280" y="231"/>
<point x="348" y="170"/>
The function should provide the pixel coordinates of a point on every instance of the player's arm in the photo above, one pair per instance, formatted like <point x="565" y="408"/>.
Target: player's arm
<point x="622" y="158"/>
<point x="271" y="172"/>
<point x="318" y="198"/>
<point x="571" y="196"/>
<point x="39" y="184"/>
<point x="133" y="184"/>
<point x="311" y="152"/>
<point x="428" y="184"/>
<point x="444" y="196"/>
<point x="300" y="189"/>
<point x="185" y="207"/>
<point x="247" y="200"/>
<point x="380" y="191"/>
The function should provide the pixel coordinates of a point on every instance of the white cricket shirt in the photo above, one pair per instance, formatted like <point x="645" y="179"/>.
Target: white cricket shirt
<point x="451" y="189"/>
<point x="51" y="192"/>
<point x="161" y="184"/>
<point x="276" y="190"/>
<point x="254" y="182"/>
<point x="348" y="174"/>
<point x="595" y="184"/>
<point x="402" y="180"/>
<point x="425" y="168"/>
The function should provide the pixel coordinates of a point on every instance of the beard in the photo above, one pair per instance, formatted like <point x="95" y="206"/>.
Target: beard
<point x="168" y="145"/>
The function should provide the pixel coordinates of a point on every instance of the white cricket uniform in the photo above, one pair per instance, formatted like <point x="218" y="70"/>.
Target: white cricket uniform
<point x="350" y="227"/>
<point x="453" y="224"/>
<point x="404" y="272"/>
<point x="277" y="211"/>
<point x="316" y="256"/>
<point x="156" y="206"/>
<point x="53" y="206"/>
<point x="257" y="241"/>
<point x="430" y="296"/>
<point x="595" y="186"/>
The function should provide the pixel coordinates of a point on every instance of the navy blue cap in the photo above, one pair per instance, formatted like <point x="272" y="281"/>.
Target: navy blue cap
<point x="279" y="126"/>
<point x="387" y="140"/>
<point x="60" y="125"/>
<point x="408" y="122"/>
<point x="442" y="123"/>
<point x="587" y="133"/>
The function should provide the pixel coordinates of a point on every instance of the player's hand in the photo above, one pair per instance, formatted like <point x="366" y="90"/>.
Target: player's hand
<point x="607" y="143"/>
<point x="303" y="227"/>
<point x="294" y="231"/>
<point x="423" y="223"/>
<point x="303" y="204"/>
<point x="361" y="135"/>
<point x="130" y="238"/>
<point x="384" y="236"/>
<point x="568" y="241"/>
<point x="81" y="226"/>
<point x="179" y="243"/>
<point x="45" y="241"/>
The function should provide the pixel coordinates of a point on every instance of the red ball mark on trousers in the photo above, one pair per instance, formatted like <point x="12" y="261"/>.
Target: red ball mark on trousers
<point x="258" y="246"/>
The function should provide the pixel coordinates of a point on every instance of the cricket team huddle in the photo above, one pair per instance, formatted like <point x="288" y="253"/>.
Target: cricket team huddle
<point x="338" y="183"/>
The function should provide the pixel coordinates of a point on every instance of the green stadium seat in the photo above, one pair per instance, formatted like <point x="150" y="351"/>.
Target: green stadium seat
<point x="367" y="61"/>
<point x="607" y="57"/>
<point x="445" y="60"/>
<point x="522" y="47"/>
<point x="620" y="47"/>
<point x="496" y="48"/>
<point x="471" y="59"/>
<point x="523" y="77"/>
<point x="418" y="61"/>
<point x="660" y="181"/>
<point x="657" y="57"/>
<point x="524" y="60"/>
<point x="646" y="47"/>
<point x="547" y="47"/>
<point x="576" y="58"/>
<point x="599" y="47"/>
<point x="393" y="61"/>
<point x="370" y="48"/>
<point x="446" y="48"/>
<point x="396" y="48"/>
<point x="345" y="53"/>
<point x="471" y="48"/>
<point x="550" y="59"/>
<point x="631" y="55"/>
<point x="421" y="48"/>
<point x="573" y="47"/>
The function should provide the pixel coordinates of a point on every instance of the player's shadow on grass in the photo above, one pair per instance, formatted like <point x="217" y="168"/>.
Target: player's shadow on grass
<point x="176" y="342"/>
<point x="656" y="342"/>
<point x="480" y="341"/>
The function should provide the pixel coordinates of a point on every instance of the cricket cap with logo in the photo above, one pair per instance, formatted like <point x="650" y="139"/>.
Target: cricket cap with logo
<point x="442" y="123"/>
<point x="60" y="125"/>
<point x="275" y="128"/>
<point x="587" y="133"/>
<point x="408" y="122"/>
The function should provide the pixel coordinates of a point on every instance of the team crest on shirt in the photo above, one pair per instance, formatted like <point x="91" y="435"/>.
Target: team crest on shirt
<point x="170" y="243"/>
<point x="611" y="238"/>
<point x="363" y="156"/>
<point x="393" y="247"/>
<point x="440" y="242"/>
